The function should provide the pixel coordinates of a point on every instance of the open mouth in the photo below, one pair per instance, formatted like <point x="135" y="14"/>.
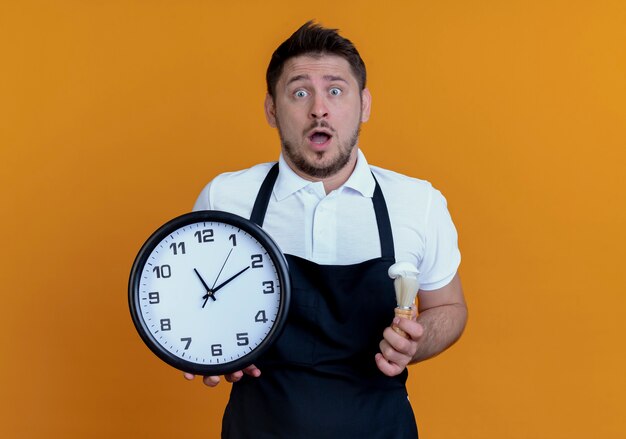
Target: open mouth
<point x="319" y="137"/>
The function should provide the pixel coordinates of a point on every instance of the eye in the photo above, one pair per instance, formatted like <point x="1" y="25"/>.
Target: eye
<point x="301" y="94"/>
<point x="335" y="91"/>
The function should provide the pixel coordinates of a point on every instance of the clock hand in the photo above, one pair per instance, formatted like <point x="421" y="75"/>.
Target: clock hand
<point x="209" y="292"/>
<point x="223" y="265"/>
<point x="228" y="280"/>
<point x="206" y="297"/>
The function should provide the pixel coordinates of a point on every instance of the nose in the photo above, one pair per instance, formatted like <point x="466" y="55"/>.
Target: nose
<point x="319" y="107"/>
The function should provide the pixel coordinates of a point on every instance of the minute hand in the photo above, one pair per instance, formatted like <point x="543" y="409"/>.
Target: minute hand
<point x="216" y="289"/>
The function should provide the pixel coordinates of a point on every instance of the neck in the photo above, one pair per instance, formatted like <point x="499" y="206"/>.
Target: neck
<point x="335" y="181"/>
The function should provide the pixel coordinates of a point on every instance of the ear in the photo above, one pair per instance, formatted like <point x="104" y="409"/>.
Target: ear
<point x="366" y="105"/>
<point x="270" y="111"/>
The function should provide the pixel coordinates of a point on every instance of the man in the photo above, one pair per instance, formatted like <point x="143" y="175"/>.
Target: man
<point x="338" y="370"/>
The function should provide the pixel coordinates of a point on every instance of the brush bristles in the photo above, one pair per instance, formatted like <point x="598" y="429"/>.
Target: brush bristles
<point x="406" y="290"/>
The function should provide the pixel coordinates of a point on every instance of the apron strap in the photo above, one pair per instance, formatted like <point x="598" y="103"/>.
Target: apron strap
<point x="263" y="197"/>
<point x="385" y="233"/>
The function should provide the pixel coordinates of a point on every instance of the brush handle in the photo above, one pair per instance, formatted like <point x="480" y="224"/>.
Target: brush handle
<point x="403" y="314"/>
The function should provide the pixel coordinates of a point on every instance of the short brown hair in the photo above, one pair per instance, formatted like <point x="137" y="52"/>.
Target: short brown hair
<point x="313" y="39"/>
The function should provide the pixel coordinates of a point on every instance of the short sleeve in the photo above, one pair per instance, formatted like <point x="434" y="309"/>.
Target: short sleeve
<point x="441" y="257"/>
<point x="233" y="192"/>
<point x="203" y="201"/>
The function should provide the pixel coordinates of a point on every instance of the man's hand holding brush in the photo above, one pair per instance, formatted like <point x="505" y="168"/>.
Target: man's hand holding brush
<point x="423" y="333"/>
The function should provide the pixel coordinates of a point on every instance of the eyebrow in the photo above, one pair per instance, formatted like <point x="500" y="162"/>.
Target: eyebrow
<point x="307" y="77"/>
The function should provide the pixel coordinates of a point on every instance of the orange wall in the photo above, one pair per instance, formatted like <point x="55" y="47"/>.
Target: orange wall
<point x="114" y="114"/>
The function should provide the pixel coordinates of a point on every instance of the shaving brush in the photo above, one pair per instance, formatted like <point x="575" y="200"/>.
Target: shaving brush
<point x="404" y="275"/>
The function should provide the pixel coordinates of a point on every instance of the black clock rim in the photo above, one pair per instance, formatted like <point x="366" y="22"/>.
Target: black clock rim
<point x="274" y="252"/>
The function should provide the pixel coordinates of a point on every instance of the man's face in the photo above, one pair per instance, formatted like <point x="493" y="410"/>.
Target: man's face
<point x="318" y="108"/>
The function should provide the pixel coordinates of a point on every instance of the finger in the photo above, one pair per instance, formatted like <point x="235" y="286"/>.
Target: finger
<point x="413" y="329"/>
<point x="387" y="367"/>
<point x="253" y="371"/>
<point x="234" y="377"/>
<point x="189" y="376"/>
<point x="398" y="343"/>
<point x="211" y="381"/>
<point x="392" y="355"/>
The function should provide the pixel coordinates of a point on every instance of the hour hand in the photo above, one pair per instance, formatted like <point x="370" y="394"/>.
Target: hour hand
<point x="209" y="292"/>
<point x="228" y="280"/>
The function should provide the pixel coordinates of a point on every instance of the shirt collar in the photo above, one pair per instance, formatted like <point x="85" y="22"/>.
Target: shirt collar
<point x="362" y="179"/>
<point x="288" y="182"/>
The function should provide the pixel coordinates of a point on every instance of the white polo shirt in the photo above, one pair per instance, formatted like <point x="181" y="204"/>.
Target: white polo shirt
<point x="340" y="228"/>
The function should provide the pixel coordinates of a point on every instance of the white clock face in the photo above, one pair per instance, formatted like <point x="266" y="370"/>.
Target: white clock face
<point x="208" y="293"/>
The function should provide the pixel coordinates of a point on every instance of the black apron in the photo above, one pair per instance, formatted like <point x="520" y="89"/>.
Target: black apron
<point x="320" y="380"/>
